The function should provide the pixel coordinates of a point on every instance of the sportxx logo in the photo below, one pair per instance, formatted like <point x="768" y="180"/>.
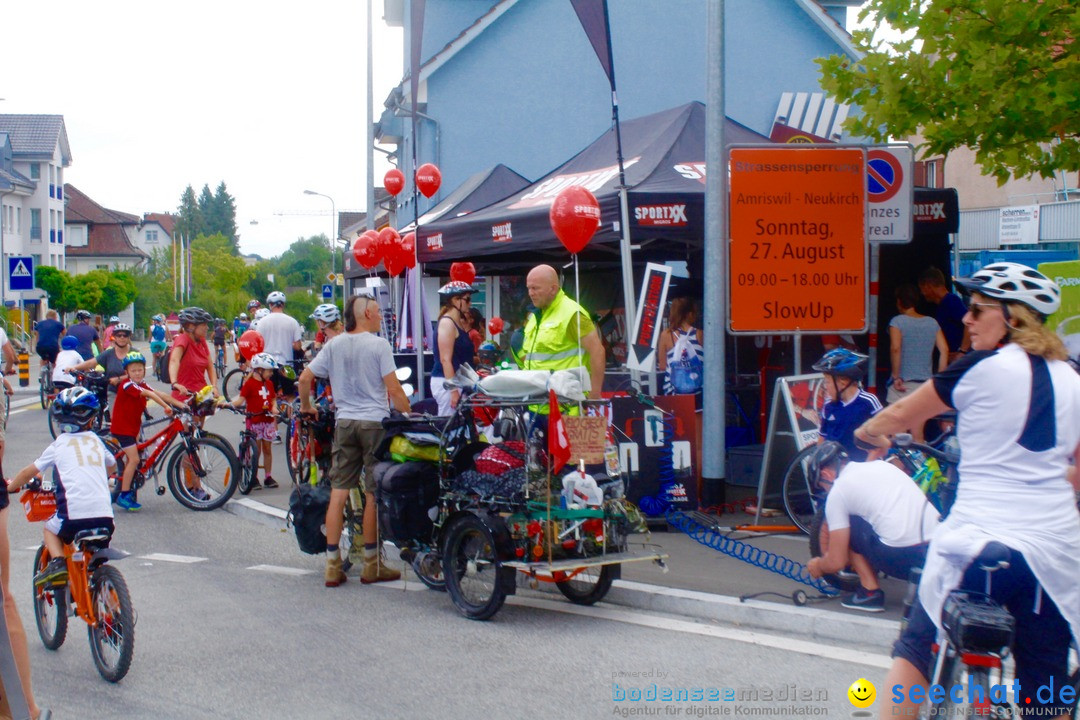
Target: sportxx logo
<point x="673" y="215"/>
<point x="691" y="171"/>
<point x="545" y="192"/>
<point x="929" y="212"/>
<point x="434" y="242"/>
<point x="502" y="233"/>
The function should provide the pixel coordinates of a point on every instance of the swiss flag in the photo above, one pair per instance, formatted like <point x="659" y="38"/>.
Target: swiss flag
<point x="558" y="440"/>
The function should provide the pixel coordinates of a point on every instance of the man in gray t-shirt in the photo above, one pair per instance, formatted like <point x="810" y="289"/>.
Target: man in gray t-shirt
<point x="360" y="368"/>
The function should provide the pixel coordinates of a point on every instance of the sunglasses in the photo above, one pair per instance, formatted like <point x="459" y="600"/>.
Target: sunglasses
<point x="977" y="309"/>
<point x="121" y="335"/>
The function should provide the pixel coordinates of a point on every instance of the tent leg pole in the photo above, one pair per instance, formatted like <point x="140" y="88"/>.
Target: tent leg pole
<point x="629" y="304"/>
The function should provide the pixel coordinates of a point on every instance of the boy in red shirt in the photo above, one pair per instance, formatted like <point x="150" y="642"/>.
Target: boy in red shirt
<point x="127" y="418"/>
<point x="259" y="397"/>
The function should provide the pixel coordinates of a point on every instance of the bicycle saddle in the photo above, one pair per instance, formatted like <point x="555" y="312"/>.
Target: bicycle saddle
<point x="993" y="556"/>
<point x="94" y="536"/>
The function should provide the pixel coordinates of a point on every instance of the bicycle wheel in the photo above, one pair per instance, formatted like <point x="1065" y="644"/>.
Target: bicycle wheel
<point x="249" y="465"/>
<point x="585" y="586"/>
<point x="845" y="580"/>
<point x="45" y="387"/>
<point x="112" y="639"/>
<point x="54" y="425"/>
<point x="297" y="450"/>
<point x="208" y="466"/>
<point x="7" y="408"/>
<point x="232" y="382"/>
<point x="472" y="568"/>
<point x="798" y="493"/>
<point x="50" y="607"/>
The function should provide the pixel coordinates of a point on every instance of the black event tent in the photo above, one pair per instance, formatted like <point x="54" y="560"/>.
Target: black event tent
<point x="665" y="173"/>
<point x="478" y="191"/>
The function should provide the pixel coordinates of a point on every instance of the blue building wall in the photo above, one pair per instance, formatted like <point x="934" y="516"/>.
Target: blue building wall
<point x="529" y="92"/>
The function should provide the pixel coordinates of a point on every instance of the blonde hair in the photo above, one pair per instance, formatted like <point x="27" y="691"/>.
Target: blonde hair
<point x="1028" y="331"/>
<point x="336" y="327"/>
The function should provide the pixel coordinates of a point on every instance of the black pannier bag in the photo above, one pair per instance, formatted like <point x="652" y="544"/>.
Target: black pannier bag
<point x="307" y="515"/>
<point x="405" y="492"/>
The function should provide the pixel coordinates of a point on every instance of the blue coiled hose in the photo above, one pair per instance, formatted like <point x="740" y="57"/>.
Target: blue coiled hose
<point x="746" y="552"/>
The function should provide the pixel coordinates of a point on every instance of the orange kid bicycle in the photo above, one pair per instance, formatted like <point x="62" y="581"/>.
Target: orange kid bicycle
<point x="95" y="592"/>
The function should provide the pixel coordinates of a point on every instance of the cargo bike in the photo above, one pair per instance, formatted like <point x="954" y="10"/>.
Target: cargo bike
<point x="473" y="517"/>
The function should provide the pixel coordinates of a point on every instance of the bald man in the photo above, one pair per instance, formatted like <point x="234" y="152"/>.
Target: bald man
<point x="551" y="334"/>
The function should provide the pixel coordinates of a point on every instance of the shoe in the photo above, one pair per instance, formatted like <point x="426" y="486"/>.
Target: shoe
<point x="277" y="440"/>
<point x="865" y="600"/>
<point x="127" y="501"/>
<point x="199" y="494"/>
<point x="334" y="575"/>
<point x="54" y="574"/>
<point x="255" y="485"/>
<point x="270" y="483"/>
<point x="376" y="570"/>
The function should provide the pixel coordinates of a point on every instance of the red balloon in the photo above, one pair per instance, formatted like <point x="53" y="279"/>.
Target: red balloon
<point x="394" y="263"/>
<point x="363" y="250"/>
<point x="575" y="217"/>
<point x="376" y="248"/>
<point x="408" y="250"/>
<point x="463" y="272"/>
<point x="388" y="242"/>
<point x="428" y="179"/>
<point x="394" y="181"/>
<point x="250" y="344"/>
<point x="496" y="325"/>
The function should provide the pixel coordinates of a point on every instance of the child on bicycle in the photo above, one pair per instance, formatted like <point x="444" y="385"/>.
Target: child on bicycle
<point x="847" y="406"/>
<point x="259" y="397"/>
<point x="82" y="462"/>
<point x="127" y="418"/>
<point x="67" y="358"/>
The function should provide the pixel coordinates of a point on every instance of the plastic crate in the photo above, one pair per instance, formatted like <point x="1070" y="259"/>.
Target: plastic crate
<point x="744" y="465"/>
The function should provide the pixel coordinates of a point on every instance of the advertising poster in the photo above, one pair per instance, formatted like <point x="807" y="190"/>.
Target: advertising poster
<point x="1066" y="321"/>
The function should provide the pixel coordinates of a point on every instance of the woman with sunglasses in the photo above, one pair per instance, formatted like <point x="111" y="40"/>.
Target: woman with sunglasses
<point x="1018" y="423"/>
<point x="111" y="359"/>
<point x="455" y="347"/>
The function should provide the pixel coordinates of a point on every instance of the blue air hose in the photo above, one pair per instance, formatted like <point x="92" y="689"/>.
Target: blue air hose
<point x="746" y="552"/>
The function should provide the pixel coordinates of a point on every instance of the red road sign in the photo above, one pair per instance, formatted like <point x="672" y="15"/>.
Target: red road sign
<point x="885" y="176"/>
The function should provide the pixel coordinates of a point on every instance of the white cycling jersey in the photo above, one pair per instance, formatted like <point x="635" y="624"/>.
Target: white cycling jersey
<point x="1018" y="425"/>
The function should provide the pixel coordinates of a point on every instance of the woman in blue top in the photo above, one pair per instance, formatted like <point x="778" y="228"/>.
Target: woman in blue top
<point x="158" y="337"/>
<point x="680" y="322"/>
<point x="455" y="346"/>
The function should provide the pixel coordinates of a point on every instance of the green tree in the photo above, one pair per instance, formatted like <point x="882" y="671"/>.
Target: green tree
<point x="219" y="276"/>
<point x="85" y="291"/>
<point x="154" y="287"/>
<point x="118" y="290"/>
<point x="189" y="221"/>
<point x="998" y="76"/>
<point x="305" y="263"/>
<point x="225" y="216"/>
<point x="56" y="283"/>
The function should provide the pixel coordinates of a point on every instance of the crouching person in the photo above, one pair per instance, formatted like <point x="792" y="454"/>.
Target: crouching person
<point x="876" y="520"/>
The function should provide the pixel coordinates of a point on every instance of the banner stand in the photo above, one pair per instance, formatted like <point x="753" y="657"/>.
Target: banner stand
<point x="794" y="423"/>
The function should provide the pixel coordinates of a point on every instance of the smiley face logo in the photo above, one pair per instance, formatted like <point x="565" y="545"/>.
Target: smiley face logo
<point x="862" y="693"/>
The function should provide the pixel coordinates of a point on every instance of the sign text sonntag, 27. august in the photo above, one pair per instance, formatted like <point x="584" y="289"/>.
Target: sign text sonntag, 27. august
<point x="798" y="240"/>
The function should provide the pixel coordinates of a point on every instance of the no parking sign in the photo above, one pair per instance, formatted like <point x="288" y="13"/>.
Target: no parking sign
<point x="889" y="193"/>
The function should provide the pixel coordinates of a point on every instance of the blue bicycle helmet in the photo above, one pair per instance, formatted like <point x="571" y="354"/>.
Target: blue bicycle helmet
<point x="842" y="362"/>
<point x="69" y="342"/>
<point x="134" y="357"/>
<point x="74" y="409"/>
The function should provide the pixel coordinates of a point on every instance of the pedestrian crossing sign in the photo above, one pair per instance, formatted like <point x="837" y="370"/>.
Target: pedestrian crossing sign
<point x="20" y="273"/>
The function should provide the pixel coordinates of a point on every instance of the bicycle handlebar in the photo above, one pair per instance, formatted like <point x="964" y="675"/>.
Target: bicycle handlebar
<point x="905" y="442"/>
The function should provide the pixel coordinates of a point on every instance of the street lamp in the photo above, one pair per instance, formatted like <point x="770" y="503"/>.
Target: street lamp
<point x="333" y="242"/>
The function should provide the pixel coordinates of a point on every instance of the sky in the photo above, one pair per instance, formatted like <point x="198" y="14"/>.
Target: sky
<point x="268" y="96"/>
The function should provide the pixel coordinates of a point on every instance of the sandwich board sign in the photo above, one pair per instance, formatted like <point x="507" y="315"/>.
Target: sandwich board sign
<point x="20" y="273"/>
<point x="641" y="354"/>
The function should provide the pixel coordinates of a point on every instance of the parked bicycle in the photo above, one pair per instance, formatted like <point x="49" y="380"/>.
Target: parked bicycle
<point x="202" y="471"/>
<point x="95" y="592"/>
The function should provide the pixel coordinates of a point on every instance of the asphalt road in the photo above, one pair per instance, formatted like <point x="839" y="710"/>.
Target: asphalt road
<point x="234" y="622"/>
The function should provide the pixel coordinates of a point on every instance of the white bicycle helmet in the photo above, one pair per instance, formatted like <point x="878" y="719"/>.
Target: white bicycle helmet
<point x="275" y="298"/>
<point x="121" y="327"/>
<point x="265" y="361"/>
<point x="243" y="316"/>
<point x="261" y="313"/>
<point x="327" y="313"/>
<point x="1013" y="282"/>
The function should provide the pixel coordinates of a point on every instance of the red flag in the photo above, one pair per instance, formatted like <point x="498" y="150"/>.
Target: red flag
<point x="558" y="440"/>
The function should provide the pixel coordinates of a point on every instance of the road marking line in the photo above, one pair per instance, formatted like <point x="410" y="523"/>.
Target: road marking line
<point x="32" y="547"/>
<point x="806" y="647"/>
<point x="414" y="585"/>
<point x="165" y="557"/>
<point x="281" y="570"/>
<point x="25" y="402"/>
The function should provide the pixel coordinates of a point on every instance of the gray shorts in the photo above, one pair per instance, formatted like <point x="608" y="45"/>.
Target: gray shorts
<point x="355" y="442"/>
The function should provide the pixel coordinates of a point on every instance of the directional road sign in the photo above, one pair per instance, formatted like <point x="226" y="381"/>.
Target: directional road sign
<point x="649" y="317"/>
<point x="20" y="273"/>
<point x="327" y="291"/>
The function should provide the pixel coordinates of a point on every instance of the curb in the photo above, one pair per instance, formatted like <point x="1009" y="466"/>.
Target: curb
<point x="825" y="625"/>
